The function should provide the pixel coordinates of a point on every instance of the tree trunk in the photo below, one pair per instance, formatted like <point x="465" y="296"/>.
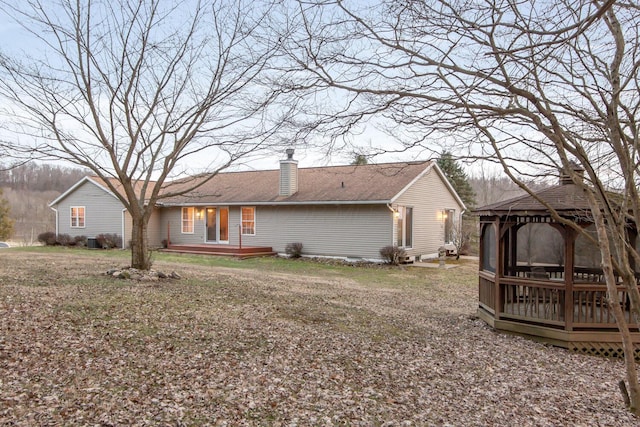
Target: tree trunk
<point x="140" y="258"/>
<point x="615" y="303"/>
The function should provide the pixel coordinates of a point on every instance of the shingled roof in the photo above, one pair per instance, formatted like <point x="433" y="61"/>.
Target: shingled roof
<point x="373" y="183"/>
<point x="568" y="198"/>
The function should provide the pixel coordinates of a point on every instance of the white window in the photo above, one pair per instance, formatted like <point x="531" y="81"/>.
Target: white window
<point x="187" y="220"/>
<point x="248" y="221"/>
<point x="404" y="226"/>
<point x="77" y="216"/>
<point x="449" y="217"/>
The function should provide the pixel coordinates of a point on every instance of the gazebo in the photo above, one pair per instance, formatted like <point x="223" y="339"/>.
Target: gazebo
<point x="542" y="279"/>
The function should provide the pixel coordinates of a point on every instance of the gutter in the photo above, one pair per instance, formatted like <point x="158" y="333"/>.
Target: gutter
<point x="275" y="203"/>
<point x="123" y="228"/>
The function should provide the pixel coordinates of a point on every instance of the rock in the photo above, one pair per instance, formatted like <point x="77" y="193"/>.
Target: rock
<point x="141" y="275"/>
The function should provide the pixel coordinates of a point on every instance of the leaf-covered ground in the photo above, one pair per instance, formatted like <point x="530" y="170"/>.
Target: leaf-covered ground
<point x="222" y="346"/>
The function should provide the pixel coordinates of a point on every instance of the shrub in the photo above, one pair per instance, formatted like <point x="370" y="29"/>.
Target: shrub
<point x="48" y="238"/>
<point x="294" y="250"/>
<point x="393" y="254"/>
<point x="80" y="241"/>
<point x="109" y="241"/>
<point x="64" y="239"/>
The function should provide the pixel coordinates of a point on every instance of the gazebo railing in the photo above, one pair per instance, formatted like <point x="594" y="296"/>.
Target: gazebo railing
<point x="536" y="302"/>
<point x="486" y="294"/>
<point x="592" y="306"/>
<point x="544" y="302"/>
<point x="556" y="272"/>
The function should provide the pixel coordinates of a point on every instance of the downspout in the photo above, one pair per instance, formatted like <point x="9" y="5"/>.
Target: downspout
<point x="393" y="224"/>
<point x="461" y="230"/>
<point x="123" y="228"/>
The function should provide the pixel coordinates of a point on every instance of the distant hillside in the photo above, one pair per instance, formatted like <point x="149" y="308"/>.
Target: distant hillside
<point x="29" y="189"/>
<point x="496" y="189"/>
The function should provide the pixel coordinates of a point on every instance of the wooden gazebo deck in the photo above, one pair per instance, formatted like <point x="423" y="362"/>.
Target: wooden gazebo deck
<point x="221" y="250"/>
<point x="579" y="318"/>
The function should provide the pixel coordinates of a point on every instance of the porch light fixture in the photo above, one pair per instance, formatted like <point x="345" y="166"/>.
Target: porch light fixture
<point x="199" y="213"/>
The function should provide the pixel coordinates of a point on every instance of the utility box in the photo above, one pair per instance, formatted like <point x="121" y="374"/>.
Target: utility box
<point x="92" y="243"/>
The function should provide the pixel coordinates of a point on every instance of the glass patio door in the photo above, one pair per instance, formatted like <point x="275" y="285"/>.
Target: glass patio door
<point x="218" y="225"/>
<point x="212" y="228"/>
<point x="224" y="225"/>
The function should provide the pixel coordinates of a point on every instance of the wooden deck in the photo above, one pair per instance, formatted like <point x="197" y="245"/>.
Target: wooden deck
<point x="222" y="250"/>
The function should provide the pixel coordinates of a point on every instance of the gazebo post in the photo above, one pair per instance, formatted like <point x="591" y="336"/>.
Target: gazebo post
<point x="499" y="291"/>
<point x="513" y="249"/>
<point x="569" y="262"/>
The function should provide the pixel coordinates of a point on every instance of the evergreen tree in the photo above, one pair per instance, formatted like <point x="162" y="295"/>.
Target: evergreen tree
<point x="360" y="159"/>
<point x="6" y="223"/>
<point x="458" y="179"/>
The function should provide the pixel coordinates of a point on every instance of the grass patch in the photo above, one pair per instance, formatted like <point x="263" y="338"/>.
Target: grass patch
<point x="370" y="275"/>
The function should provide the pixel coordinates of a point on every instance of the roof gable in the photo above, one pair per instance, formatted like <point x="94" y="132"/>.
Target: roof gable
<point x="443" y="179"/>
<point x="74" y="187"/>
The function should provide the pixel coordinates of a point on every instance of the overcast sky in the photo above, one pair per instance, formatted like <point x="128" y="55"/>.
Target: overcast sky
<point x="16" y="40"/>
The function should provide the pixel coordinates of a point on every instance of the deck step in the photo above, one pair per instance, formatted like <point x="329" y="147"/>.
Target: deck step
<point x="246" y="252"/>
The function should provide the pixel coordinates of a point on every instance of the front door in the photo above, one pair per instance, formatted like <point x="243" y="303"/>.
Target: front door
<point x="218" y="225"/>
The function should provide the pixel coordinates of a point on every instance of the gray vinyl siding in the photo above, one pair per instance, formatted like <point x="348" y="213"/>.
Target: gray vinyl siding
<point x="358" y="231"/>
<point x="103" y="212"/>
<point x="155" y="232"/>
<point x="127" y="229"/>
<point x="428" y="196"/>
<point x="170" y="224"/>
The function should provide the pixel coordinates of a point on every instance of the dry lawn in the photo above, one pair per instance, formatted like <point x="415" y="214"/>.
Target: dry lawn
<point x="268" y="346"/>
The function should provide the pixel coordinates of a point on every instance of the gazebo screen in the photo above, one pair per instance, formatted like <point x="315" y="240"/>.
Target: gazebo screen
<point x="535" y="250"/>
<point x="489" y="248"/>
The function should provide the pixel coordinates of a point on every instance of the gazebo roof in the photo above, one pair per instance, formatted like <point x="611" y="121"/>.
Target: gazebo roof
<point x="568" y="198"/>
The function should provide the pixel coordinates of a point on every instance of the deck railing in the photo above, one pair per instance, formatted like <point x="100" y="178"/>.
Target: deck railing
<point x="540" y="303"/>
<point x="544" y="302"/>
<point x="487" y="295"/>
<point x="556" y="272"/>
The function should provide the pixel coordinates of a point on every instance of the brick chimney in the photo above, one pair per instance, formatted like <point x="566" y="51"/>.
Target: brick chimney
<point x="288" y="175"/>
<point x="565" y="178"/>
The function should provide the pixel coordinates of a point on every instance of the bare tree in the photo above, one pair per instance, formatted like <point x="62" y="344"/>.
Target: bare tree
<point x="140" y="92"/>
<point x="529" y="86"/>
<point x="461" y="233"/>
